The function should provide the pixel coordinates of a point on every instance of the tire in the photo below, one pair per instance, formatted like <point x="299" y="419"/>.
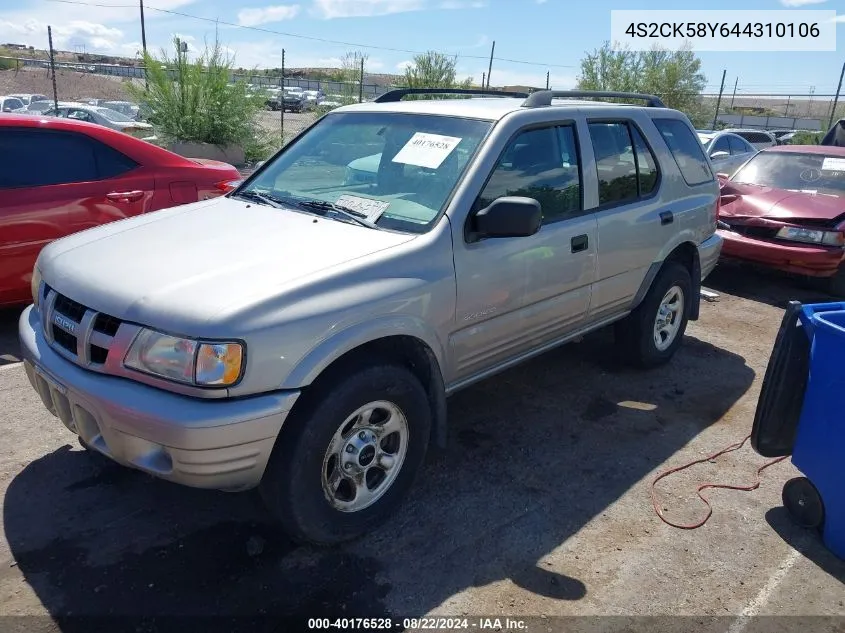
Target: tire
<point x="296" y="483"/>
<point x="636" y="334"/>
<point x="834" y="286"/>
<point x="804" y="503"/>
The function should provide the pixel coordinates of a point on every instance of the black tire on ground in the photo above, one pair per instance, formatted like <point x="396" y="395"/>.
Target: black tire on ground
<point x="834" y="286"/>
<point x="804" y="503"/>
<point x="292" y="484"/>
<point x="635" y="333"/>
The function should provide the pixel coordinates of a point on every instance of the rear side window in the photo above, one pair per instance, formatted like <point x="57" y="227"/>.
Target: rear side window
<point x="686" y="150"/>
<point x="51" y="151"/>
<point x="625" y="165"/>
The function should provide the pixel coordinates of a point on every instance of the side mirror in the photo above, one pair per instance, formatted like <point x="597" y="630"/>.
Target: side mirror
<point x="509" y="216"/>
<point x="723" y="176"/>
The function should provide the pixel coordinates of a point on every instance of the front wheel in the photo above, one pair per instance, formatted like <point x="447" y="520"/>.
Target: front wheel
<point x="651" y="334"/>
<point x="346" y="459"/>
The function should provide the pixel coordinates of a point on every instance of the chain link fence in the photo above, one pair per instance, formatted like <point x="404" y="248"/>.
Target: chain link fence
<point x="77" y="81"/>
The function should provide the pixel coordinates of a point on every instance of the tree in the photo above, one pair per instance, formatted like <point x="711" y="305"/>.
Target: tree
<point x="197" y="102"/>
<point x="434" y="70"/>
<point x="674" y="76"/>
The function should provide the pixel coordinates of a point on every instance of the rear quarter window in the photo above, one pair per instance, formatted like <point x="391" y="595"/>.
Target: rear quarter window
<point x="686" y="150"/>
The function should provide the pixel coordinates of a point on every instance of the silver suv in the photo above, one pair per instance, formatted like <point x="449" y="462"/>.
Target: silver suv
<point x="302" y="333"/>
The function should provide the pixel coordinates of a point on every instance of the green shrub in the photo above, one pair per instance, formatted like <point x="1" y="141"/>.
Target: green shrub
<point x="8" y="64"/>
<point x="196" y="102"/>
<point x="807" y="138"/>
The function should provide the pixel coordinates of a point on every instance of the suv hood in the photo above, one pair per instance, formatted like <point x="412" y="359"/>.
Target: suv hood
<point x="178" y="268"/>
<point x="781" y="204"/>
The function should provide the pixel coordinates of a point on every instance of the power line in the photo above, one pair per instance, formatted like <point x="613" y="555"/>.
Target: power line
<point x="322" y="40"/>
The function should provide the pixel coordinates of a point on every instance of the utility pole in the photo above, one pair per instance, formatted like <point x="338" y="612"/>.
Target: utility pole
<point x="836" y="98"/>
<point x="144" y="42"/>
<point x="548" y="73"/>
<point x="361" y="82"/>
<point x="736" y="83"/>
<point x="143" y="30"/>
<point x="490" y="65"/>
<point x="282" y="100"/>
<point x="719" y="100"/>
<point x="483" y="80"/>
<point x="53" y="69"/>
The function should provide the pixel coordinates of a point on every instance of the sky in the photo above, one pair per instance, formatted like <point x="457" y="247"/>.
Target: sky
<point x="532" y="37"/>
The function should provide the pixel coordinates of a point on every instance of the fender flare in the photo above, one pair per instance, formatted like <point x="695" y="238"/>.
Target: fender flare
<point x="656" y="267"/>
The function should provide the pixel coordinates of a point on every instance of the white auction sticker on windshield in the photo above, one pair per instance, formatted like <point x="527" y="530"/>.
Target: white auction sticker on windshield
<point x="833" y="164"/>
<point x="426" y="150"/>
<point x="371" y="208"/>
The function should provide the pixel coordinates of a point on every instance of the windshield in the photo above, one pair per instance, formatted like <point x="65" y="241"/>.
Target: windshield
<point x="396" y="169"/>
<point x="812" y="173"/>
<point x="113" y="115"/>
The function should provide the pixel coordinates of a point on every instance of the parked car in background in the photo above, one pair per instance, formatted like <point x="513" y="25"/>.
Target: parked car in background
<point x="302" y="334"/>
<point x="29" y="99"/>
<point x="293" y="101"/>
<point x="781" y="134"/>
<point x="126" y="108"/>
<point x="314" y="97"/>
<point x="760" y="139"/>
<point x="727" y="151"/>
<point x="785" y="209"/>
<point x="105" y="117"/>
<point x="10" y="104"/>
<point x="35" y="107"/>
<point x="85" y="175"/>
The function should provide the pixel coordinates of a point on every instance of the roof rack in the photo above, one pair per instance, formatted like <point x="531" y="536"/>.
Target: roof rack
<point x="396" y="95"/>
<point x="544" y="97"/>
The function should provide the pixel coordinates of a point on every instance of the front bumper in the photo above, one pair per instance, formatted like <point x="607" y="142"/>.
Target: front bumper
<point x="708" y="254"/>
<point x="801" y="259"/>
<point x="219" y="444"/>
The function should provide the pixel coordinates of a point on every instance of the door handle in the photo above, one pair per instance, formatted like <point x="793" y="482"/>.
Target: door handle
<point x="579" y="243"/>
<point x="125" y="196"/>
<point x="667" y="217"/>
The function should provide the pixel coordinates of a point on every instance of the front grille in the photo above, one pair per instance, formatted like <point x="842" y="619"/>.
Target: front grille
<point x="69" y="308"/>
<point x="759" y="232"/>
<point x="67" y="341"/>
<point x="66" y="320"/>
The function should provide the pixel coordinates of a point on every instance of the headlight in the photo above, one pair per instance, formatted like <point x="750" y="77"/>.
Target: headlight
<point x="185" y="360"/>
<point x="811" y="236"/>
<point x="35" y="285"/>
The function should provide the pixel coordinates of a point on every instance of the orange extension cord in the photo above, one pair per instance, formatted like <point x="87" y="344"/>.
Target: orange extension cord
<point x="729" y="449"/>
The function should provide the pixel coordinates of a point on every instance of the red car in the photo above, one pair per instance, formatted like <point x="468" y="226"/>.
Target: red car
<point x="60" y="176"/>
<point x="785" y="209"/>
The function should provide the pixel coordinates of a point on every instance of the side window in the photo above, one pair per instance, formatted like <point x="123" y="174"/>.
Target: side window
<point x="615" y="162"/>
<point x="110" y="162"/>
<point x="541" y="164"/>
<point x="686" y="150"/>
<point x="739" y="145"/>
<point x="646" y="163"/>
<point x="20" y="149"/>
<point x="721" y="145"/>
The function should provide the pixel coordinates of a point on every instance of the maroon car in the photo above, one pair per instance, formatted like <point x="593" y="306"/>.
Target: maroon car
<point x="785" y="209"/>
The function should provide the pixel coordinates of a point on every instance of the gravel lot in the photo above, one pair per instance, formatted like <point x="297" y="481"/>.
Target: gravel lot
<point x="539" y="507"/>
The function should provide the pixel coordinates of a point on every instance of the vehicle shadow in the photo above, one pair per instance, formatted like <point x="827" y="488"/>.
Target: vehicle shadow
<point x="10" y="351"/>
<point x="762" y="285"/>
<point x="534" y="455"/>
<point x="808" y="542"/>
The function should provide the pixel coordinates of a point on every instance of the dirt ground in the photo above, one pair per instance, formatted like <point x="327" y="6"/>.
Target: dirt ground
<point x="70" y="85"/>
<point x="539" y="510"/>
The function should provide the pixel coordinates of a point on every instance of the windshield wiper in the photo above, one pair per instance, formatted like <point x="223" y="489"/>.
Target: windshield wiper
<point x="264" y="198"/>
<point x="322" y="205"/>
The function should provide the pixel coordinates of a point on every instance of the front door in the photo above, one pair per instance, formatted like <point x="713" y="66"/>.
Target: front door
<point x="515" y="294"/>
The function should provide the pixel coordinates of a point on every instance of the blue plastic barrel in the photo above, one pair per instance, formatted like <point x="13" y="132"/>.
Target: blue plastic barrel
<point x="819" y="450"/>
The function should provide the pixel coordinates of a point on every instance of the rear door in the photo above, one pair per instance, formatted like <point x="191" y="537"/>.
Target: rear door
<point x="634" y="222"/>
<point x="53" y="184"/>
